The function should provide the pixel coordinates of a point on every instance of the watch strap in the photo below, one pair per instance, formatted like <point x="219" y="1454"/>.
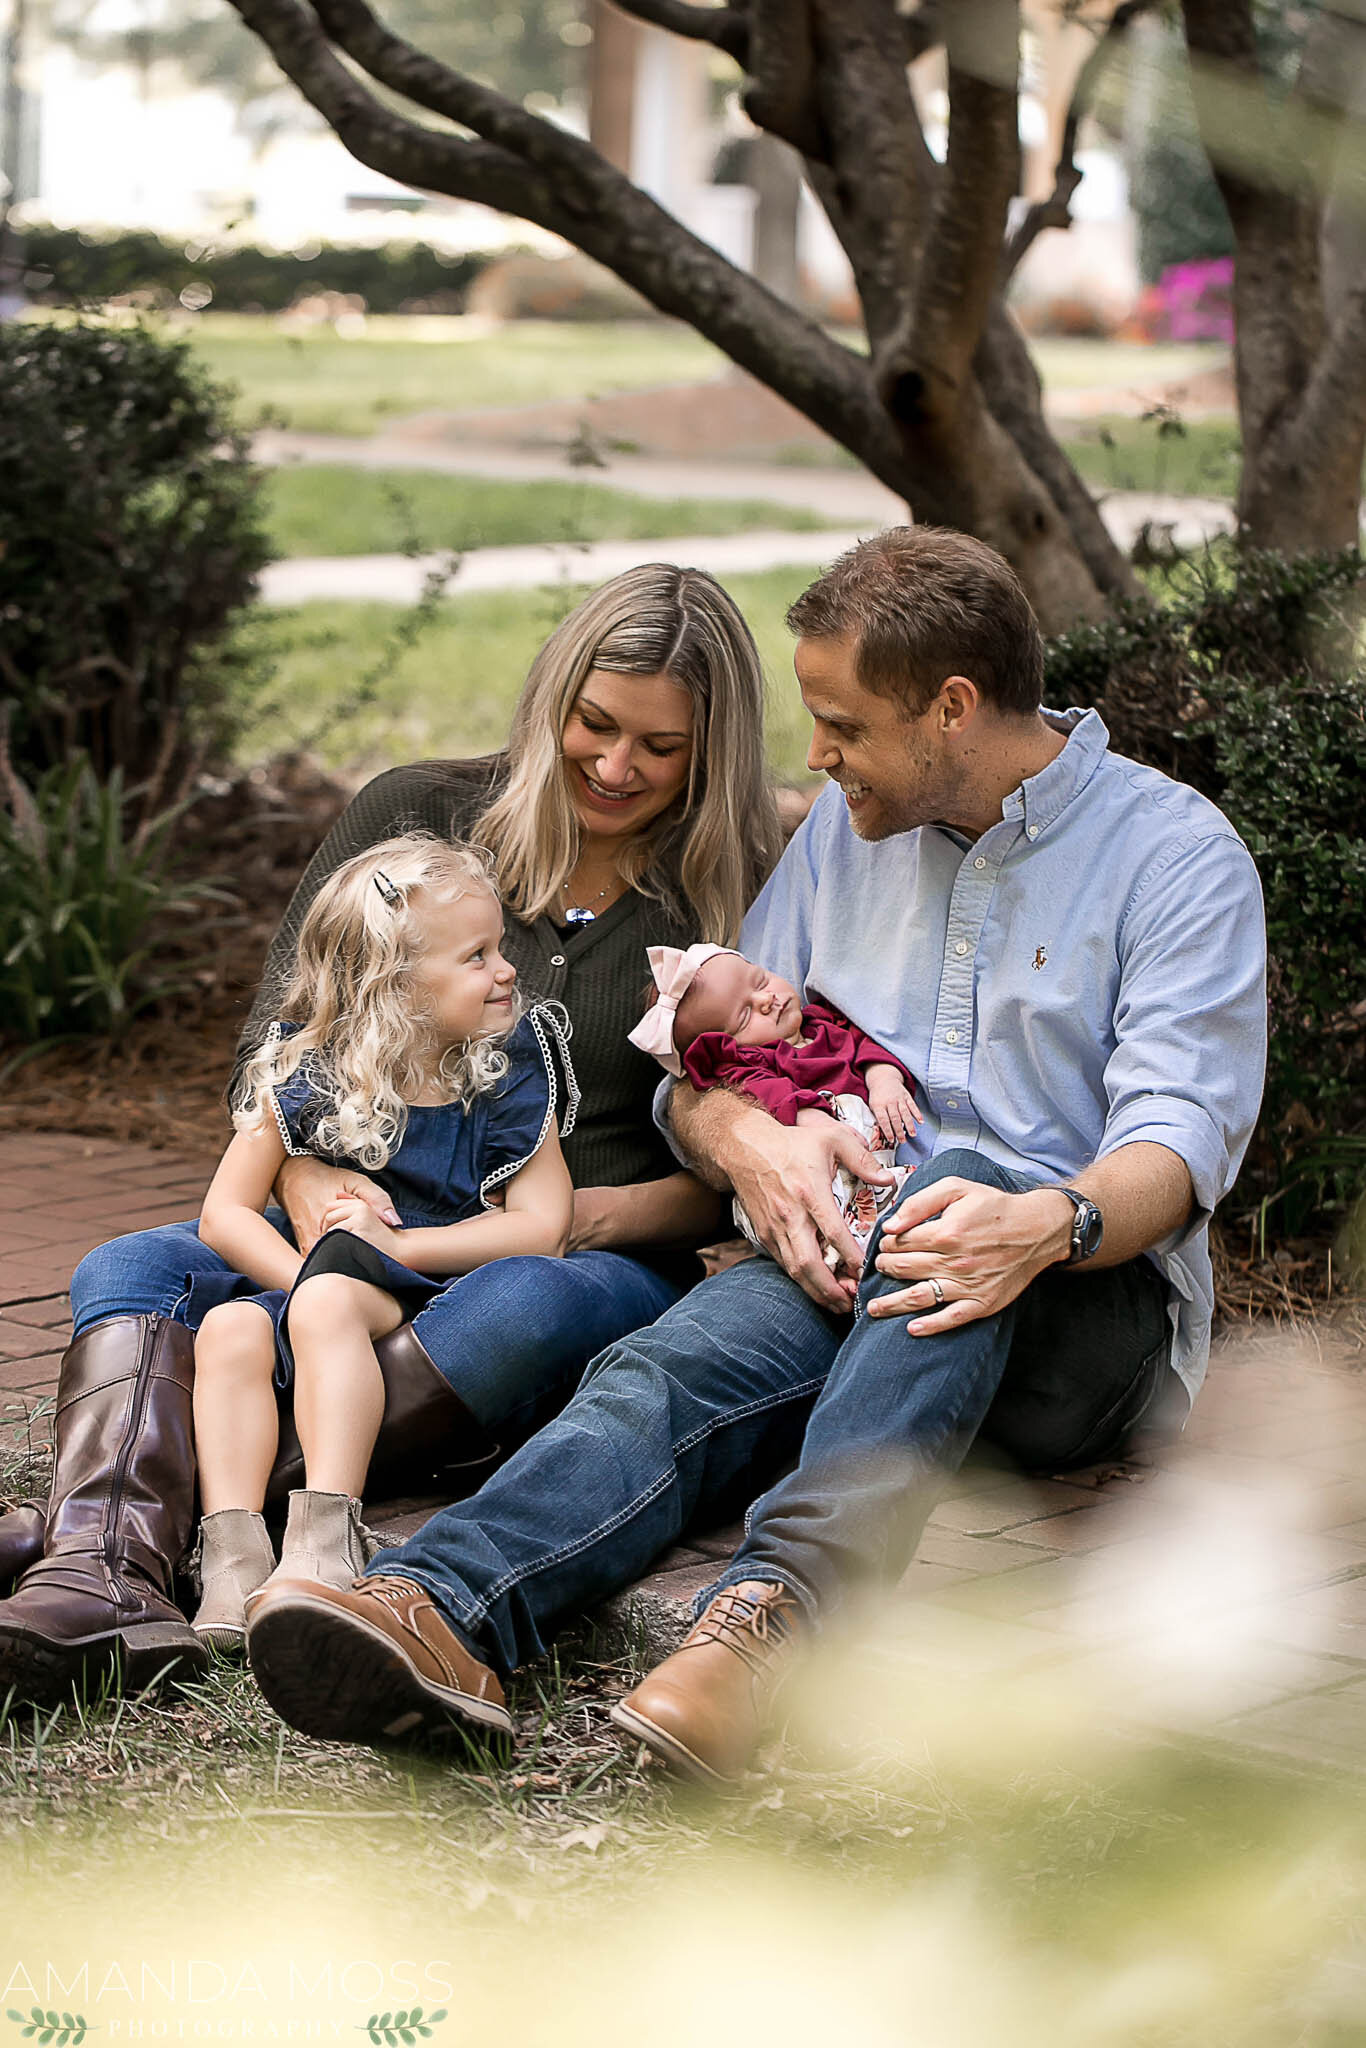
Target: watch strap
<point x="1081" y="1204"/>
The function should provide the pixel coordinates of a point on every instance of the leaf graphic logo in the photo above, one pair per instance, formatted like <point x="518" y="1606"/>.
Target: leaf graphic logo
<point x="59" y="2028"/>
<point x="390" y="2028"/>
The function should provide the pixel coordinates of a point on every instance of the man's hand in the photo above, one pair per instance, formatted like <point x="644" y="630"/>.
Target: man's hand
<point x="308" y="1188"/>
<point x="356" y="1215"/>
<point x="981" y="1245"/>
<point x="783" y="1177"/>
<point x="892" y="1104"/>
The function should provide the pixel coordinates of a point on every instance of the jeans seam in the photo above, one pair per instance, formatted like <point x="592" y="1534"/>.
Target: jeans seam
<point x="494" y="1593"/>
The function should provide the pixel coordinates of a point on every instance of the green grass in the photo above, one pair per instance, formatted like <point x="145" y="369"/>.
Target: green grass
<point x="452" y="691"/>
<point x="1195" y="458"/>
<point x="1067" y="365"/>
<point x="317" y="381"/>
<point x="323" y="383"/>
<point x="993" y="1865"/>
<point x="336" y="510"/>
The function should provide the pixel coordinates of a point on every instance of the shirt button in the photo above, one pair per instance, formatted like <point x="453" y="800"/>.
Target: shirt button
<point x="557" y="959"/>
<point x="980" y="861"/>
<point x="952" y="1102"/>
<point x="1032" y="831"/>
<point x="961" y="947"/>
<point x="951" y="1035"/>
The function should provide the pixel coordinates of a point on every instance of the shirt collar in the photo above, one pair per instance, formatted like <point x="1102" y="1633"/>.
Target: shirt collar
<point x="1043" y="797"/>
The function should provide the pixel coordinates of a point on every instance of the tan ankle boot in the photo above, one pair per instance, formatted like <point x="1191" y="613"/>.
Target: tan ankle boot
<point x="324" y="1540"/>
<point x="235" y="1557"/>
<point x="703" y="1710"/>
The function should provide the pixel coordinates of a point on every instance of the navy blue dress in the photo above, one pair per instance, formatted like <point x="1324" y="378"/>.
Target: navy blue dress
<point x="450" y="1162"/>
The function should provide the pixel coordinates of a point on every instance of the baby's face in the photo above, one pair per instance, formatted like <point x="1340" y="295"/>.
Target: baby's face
<point x="751" y="1005"/>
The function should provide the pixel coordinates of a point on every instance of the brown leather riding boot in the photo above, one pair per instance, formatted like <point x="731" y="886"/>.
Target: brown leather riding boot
<point x="703" y="1710"/>
<point x="21" y="1540"/>
<point x="99" y="1598"/>
<point x="426" y="1430"/>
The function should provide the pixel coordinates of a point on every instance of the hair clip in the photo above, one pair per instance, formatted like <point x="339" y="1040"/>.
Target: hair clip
<point x="391" y="894"/>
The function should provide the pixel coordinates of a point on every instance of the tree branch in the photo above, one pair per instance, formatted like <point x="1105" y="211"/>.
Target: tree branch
<point x="781" y="96"/>
<point x="879" y="172"/>
<point x="573" y="192"/>
<point x="1010" y="385"/>
<point x="726" y="27"/>
<point x="1056" y="210"/>
<point x="958" y="275"/>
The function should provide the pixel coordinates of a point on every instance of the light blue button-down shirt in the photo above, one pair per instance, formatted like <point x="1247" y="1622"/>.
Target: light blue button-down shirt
<point x="1090" y="973"/>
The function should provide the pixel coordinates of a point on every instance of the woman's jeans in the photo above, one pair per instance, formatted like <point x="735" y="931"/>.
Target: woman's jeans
<point x="511" y="1337"/>
<point x="681" y="1422"/>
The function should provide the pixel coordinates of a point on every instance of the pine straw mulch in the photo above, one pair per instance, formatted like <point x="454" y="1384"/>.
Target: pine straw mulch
<point x="162" y="1083"/>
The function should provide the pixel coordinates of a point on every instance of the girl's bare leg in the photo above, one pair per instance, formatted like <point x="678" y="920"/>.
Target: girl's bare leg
<point x="338" y="1390"/>
<point x="235" y="1422"/>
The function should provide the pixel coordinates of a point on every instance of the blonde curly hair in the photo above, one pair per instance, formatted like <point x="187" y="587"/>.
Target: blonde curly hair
<point x="358" y="1006"/>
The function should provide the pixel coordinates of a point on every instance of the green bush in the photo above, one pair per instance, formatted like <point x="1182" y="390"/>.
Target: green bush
<point x="1180" y="214"/>
<point x="80" y="888"/>
<point x="81" y="267"/>
<point x="1246" y="684"/>
<point x="130" y="540"/>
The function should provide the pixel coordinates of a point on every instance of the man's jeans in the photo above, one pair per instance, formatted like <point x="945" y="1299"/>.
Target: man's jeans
<point x="512" y="1337"/>
<point x="675" y="1424"/>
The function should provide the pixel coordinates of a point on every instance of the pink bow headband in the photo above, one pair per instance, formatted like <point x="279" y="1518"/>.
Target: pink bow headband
<point x="674" y="974"/>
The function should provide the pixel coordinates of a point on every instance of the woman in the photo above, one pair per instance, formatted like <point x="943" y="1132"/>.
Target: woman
<point x="629" y="809"/>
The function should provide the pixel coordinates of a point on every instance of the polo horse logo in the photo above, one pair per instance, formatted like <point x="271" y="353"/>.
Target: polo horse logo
<point x="1040" y="957"/>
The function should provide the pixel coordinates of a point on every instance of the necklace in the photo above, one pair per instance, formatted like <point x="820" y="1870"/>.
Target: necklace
<point x="579" y="913"/>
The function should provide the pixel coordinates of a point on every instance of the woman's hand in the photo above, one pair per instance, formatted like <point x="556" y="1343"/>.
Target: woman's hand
<point x="357" y="1216"/>
<point x="308" y="1188"/>
<point x="597" y="1219"/>
<point x="676" y="1209"/>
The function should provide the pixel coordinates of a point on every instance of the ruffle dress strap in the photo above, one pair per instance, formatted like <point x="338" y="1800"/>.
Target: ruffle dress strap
<point x="539" y="1082"/>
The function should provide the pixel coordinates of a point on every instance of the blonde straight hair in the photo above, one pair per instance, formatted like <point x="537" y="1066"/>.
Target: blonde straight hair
<point x="355" y="1000"/>
<point x="710" y="851"/>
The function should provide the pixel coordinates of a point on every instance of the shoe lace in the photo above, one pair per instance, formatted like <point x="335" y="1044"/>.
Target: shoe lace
<point x="756" y="1626"/>
<point x="389" y="1586"/>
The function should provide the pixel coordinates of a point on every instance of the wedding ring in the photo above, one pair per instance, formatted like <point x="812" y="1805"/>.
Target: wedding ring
<point x="937" y="1291"/>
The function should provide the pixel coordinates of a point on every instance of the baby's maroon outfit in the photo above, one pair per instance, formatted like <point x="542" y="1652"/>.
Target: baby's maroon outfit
<point x="785" y="1078"/>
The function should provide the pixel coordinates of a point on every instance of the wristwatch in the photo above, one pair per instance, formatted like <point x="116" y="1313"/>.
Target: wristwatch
<point x="1088" y="1227"/>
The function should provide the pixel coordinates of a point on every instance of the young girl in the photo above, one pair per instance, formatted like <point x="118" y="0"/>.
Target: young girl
<point x="722" y="1021"/>
<point x="400" y="1053"/>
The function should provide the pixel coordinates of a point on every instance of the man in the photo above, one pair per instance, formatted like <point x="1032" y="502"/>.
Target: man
<point x="1067" y="950"/>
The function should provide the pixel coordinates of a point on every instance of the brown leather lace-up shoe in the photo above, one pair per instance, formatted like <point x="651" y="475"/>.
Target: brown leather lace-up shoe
<point x="704" y="1709"/>
<point x="370" y="1662"/>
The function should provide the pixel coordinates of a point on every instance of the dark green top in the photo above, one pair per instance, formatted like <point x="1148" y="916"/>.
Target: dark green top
<point x="598" y="971"/>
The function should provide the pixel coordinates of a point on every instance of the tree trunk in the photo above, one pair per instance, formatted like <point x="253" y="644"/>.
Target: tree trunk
<point x="1299" y="362"/>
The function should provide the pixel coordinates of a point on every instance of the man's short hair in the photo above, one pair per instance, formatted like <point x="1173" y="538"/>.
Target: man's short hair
<point x="923" y="603"/>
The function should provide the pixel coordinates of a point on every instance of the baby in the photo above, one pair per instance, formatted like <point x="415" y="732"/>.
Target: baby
<point x="720" y="1020"/>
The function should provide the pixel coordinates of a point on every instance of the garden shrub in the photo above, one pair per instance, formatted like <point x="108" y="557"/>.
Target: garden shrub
<point x="1247" y="684"/>
<point x="81" y="890"/>
<point x="130" y="540"/>
<point x="83" y="267"/>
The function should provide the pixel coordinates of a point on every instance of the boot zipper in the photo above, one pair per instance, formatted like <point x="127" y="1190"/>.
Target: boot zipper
<point x="121" y="1462"/>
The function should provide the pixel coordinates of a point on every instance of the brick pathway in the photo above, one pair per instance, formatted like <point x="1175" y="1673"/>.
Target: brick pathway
<point x="1223" y="1594"/>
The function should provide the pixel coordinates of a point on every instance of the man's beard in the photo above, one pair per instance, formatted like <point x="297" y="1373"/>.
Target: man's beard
<point x="889" y="815"/>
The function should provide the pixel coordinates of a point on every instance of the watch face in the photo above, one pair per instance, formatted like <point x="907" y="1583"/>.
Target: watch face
<point x="1087" y="1231"/>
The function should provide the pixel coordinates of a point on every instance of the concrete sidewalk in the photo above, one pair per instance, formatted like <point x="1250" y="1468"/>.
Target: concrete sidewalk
<point x="1221" y="1595"/>
<point x="400" y="579"/>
